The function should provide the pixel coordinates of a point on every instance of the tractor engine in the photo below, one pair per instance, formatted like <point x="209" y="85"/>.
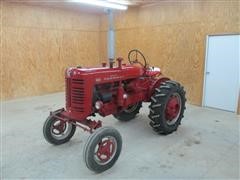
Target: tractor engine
<point x="104" y="90"/>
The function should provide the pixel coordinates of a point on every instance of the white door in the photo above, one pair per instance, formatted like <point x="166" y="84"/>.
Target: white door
<point x="222" y="79"/>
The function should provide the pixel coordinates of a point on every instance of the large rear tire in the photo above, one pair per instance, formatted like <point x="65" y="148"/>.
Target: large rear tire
<point x="167" y="107"/>
<point x="129" y="113"/>
<point x="102" y="149"/>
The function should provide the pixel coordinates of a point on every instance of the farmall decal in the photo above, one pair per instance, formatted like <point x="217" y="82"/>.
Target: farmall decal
<point x="111" y="77"/>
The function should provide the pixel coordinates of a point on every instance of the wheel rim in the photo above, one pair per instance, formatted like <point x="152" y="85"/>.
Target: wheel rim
<point x="173" y="109"/>
<point x="60" y="130"/>
<point x="105" y="150"/>
<point x="131" y="109"/>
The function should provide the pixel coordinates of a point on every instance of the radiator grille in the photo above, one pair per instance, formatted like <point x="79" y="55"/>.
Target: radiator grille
<point x="68" y="92"/>
<point x="77" y="95"/>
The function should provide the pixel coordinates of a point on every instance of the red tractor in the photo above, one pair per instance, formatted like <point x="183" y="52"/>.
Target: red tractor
<point x="117" y="91"/>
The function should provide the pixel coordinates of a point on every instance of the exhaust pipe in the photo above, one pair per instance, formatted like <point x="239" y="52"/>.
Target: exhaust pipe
<point x="111" y="38"/>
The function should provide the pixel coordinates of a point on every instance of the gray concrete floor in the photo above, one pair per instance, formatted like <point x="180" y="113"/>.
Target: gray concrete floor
<point x="206" y="145"/>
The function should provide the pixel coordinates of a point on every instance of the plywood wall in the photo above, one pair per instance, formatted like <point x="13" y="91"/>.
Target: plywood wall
<point x="39" y="43"/>
<point x="172" y="36"/>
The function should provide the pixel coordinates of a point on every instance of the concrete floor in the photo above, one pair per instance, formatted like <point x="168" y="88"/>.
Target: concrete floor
<point x="206" y="145"/>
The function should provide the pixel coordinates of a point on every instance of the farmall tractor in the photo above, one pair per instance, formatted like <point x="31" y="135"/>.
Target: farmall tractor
<point x="118" y="91"/>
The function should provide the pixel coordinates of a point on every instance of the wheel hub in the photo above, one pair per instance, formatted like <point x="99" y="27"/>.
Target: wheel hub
<point x="106" y="151"/>
<point x="58" y="127"/>
<point x="173" y="108"/>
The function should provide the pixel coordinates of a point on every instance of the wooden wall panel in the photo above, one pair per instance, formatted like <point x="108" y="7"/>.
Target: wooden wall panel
<point x="172" y="36"/>
<point x="103" y="46"/>
<point x="20" y="15"/>
<point x="1" y="64"/>
<point x="39" y="43"/>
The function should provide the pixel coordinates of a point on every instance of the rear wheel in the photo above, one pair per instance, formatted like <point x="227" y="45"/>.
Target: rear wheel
<point x="56" y="131"/>
<point x="102" y="149"/>
<point x="167" y="107"/>
<point x="129" y="113"/>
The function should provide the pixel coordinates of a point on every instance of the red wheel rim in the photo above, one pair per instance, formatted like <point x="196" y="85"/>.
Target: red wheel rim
<point x="58" y="127"/>
<point x="173" y="108"/>
<point x="105" y="150"/>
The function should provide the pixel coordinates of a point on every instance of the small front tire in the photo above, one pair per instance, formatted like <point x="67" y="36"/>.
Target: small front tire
<point x="56" y="131"/>
<point x="102" y="149"/>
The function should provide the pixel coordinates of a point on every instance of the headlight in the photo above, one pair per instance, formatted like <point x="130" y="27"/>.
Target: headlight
<point x="98" y="105"/>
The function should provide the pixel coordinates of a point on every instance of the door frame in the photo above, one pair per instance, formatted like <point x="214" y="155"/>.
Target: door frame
<point x="205" y="70"/>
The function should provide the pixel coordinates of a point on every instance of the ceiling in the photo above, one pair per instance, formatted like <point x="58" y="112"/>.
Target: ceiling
<point x="63" y="4"/>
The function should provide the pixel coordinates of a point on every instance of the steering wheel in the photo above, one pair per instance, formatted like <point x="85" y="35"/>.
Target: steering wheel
<point x="133" y="58"/>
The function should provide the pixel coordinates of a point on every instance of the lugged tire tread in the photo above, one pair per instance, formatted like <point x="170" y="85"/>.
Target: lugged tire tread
<point x="156" y="111"/>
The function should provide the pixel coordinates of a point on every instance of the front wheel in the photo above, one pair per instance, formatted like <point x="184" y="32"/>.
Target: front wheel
<point x="102" y="149"/>
<point x="167" y="107"/>
<point x="56" y="131"/>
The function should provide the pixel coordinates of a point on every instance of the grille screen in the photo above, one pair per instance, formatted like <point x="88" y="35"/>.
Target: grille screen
<point x="68" y="92"/>
<point x="77" y="95"/>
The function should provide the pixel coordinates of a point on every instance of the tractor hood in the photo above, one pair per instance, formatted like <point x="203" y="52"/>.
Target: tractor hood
<point x="105" y="74"/>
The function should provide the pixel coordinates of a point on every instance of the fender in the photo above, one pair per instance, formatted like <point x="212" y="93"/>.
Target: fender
<point x="156" y="83"/>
